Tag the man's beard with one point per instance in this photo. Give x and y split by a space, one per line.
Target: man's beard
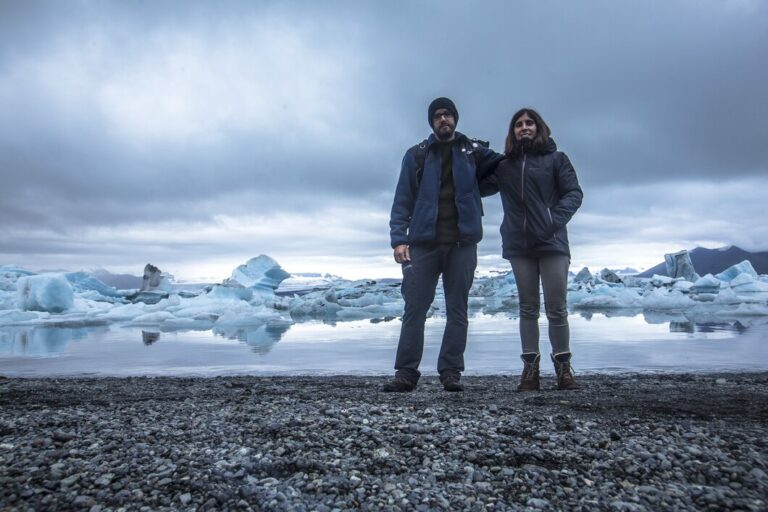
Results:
445 135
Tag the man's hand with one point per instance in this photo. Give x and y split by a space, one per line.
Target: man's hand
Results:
402 254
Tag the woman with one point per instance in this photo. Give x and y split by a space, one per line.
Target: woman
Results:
540 194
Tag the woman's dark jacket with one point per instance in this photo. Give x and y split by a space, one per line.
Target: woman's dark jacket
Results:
540 193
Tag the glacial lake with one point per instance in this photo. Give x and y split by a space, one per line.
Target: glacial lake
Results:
608 342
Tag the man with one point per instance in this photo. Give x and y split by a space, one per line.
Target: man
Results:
435 225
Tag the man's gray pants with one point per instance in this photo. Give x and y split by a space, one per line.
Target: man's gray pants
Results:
420 276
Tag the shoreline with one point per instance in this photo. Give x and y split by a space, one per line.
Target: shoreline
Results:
546 372
624 442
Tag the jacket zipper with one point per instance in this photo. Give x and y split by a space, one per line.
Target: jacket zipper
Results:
552 222
522 198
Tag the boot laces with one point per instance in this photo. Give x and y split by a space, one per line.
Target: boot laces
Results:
566 370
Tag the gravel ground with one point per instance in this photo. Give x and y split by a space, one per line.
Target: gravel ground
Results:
631 442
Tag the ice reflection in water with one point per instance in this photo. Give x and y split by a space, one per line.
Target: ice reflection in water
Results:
616 340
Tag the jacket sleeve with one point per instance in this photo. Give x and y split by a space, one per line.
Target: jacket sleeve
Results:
405 198
569 190
489 185
486 162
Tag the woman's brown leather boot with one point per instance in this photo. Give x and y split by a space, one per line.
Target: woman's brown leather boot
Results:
529 380
562 364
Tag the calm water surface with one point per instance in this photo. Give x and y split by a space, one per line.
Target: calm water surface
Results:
639 343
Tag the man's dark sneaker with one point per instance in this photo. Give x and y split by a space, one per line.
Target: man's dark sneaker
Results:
399 385
452 383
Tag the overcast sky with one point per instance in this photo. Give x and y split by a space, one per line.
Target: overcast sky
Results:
195 135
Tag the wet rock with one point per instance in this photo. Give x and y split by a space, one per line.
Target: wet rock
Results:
621 443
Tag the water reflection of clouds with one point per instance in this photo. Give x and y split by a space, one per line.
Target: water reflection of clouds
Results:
602 339
41 341
261 338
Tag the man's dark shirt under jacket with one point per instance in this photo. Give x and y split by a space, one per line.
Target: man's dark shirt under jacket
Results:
447 229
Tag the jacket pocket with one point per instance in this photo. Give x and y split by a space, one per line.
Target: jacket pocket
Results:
552 224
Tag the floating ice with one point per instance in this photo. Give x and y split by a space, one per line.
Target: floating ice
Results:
605 297
83 282
746 310
745 283
609 276
247 301
502 286
231 292
261 273
45 292
10 274
658 281
683 286
727 296
662 298
584 276
679 264
155 280
707 284
745 267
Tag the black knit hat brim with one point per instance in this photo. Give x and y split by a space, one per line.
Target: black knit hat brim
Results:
439 103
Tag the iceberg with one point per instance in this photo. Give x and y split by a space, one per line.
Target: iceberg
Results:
706 284
605 297
609 276
261 273
231 293
683 286
679 264
746 310
502 285
745 283
727 296
83 282
745 267
154 280
249 298
51 293
662 298
659 281
584 276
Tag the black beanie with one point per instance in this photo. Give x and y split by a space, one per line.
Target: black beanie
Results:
439 103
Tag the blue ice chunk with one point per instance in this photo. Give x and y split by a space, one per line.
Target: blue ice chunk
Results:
745 267
44 292
83 281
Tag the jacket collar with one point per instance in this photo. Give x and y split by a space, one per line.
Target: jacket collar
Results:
458 137
550 147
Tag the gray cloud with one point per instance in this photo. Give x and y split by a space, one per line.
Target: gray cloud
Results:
117 115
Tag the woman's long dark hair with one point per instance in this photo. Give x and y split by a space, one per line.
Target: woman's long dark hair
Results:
513 148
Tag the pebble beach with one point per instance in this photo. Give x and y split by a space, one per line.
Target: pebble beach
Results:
622 443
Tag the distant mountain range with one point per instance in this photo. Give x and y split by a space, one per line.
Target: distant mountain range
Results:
714 261
119 281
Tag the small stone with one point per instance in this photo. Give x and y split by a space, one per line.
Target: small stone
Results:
62 436
70 480
537 503
84 501
185 498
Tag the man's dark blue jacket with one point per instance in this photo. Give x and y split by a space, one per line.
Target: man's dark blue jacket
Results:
414 211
